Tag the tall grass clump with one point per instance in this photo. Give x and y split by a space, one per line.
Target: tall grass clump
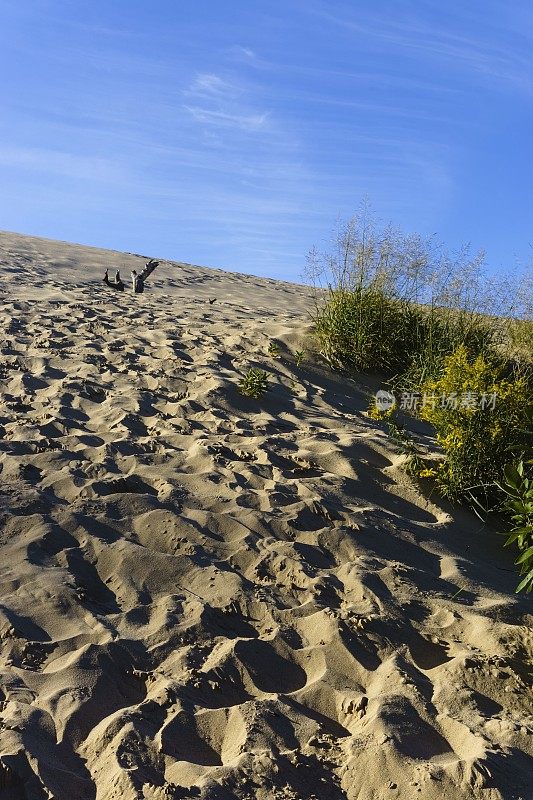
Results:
400 304
364 329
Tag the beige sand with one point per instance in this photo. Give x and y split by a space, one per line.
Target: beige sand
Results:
204 595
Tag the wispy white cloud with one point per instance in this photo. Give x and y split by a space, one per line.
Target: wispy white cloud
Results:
485 55
224 104
207 83
246 54
245 122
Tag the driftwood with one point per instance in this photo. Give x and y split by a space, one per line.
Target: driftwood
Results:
139 279
117 284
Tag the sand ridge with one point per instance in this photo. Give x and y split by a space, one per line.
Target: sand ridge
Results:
206 595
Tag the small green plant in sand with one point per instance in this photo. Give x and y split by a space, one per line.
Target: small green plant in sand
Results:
255 383
414 464
518 490
273 350
299 357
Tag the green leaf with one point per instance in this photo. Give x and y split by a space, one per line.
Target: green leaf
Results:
525 529
527 582
512 475
525 556
512 538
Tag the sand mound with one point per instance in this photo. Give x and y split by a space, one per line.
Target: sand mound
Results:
204 595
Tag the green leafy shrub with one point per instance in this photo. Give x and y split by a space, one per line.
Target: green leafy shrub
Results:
518 490
481 420
254 383
273 350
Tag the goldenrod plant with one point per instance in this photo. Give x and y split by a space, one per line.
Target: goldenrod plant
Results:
377 413
481 411
480 417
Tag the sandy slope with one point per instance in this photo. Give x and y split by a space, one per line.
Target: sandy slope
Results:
203 595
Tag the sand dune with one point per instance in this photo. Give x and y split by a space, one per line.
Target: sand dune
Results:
205 595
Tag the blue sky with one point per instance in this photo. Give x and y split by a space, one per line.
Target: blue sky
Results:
236 133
